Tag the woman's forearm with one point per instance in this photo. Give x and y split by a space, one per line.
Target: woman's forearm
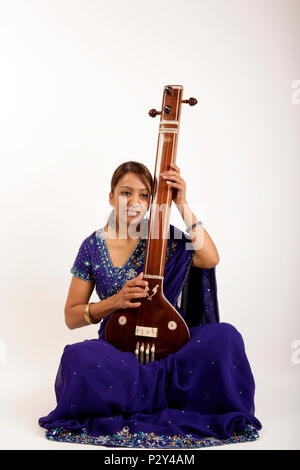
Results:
206 253
74 318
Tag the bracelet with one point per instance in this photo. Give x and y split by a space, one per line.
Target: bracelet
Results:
88 316
193 226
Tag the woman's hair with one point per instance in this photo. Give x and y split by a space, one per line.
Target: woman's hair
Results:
129 167
132 167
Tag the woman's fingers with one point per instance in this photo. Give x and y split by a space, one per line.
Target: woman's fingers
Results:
135 283
135 295
129 304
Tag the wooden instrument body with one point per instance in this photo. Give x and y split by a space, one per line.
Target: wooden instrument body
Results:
155 314
153 326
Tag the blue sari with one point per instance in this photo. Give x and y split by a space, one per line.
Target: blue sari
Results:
200 396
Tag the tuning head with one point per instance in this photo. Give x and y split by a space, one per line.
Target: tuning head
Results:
170 102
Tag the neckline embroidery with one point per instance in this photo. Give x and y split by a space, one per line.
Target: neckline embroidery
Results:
100 236
109 257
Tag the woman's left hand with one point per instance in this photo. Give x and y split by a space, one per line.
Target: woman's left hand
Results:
177 183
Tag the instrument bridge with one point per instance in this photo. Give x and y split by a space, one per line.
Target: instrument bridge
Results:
146 331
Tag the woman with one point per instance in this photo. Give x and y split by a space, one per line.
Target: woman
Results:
203 394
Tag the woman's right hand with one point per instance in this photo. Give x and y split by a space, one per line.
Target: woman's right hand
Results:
131 290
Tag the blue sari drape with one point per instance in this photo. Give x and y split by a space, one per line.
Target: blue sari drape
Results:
200 396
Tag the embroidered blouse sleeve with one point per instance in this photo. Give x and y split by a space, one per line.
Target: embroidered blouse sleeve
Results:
82 266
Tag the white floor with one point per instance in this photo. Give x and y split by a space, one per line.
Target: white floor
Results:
27 394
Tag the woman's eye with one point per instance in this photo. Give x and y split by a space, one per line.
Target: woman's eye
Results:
126 192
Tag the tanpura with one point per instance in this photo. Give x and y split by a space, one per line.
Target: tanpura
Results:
155 329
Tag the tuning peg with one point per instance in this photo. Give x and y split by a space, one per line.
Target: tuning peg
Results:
153 113
190 101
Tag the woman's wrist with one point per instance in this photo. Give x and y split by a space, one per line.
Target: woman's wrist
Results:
193 226
101 309
187 215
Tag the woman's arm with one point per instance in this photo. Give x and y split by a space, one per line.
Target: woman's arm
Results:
79 295
206 253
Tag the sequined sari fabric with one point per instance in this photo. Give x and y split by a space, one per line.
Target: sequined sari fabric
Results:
200 396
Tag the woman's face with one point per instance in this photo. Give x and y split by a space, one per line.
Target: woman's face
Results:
131 200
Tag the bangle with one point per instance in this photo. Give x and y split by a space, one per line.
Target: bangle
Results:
193 226
88 316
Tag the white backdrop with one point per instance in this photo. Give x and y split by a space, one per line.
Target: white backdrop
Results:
77 81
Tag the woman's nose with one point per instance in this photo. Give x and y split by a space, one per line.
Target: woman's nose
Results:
135 200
